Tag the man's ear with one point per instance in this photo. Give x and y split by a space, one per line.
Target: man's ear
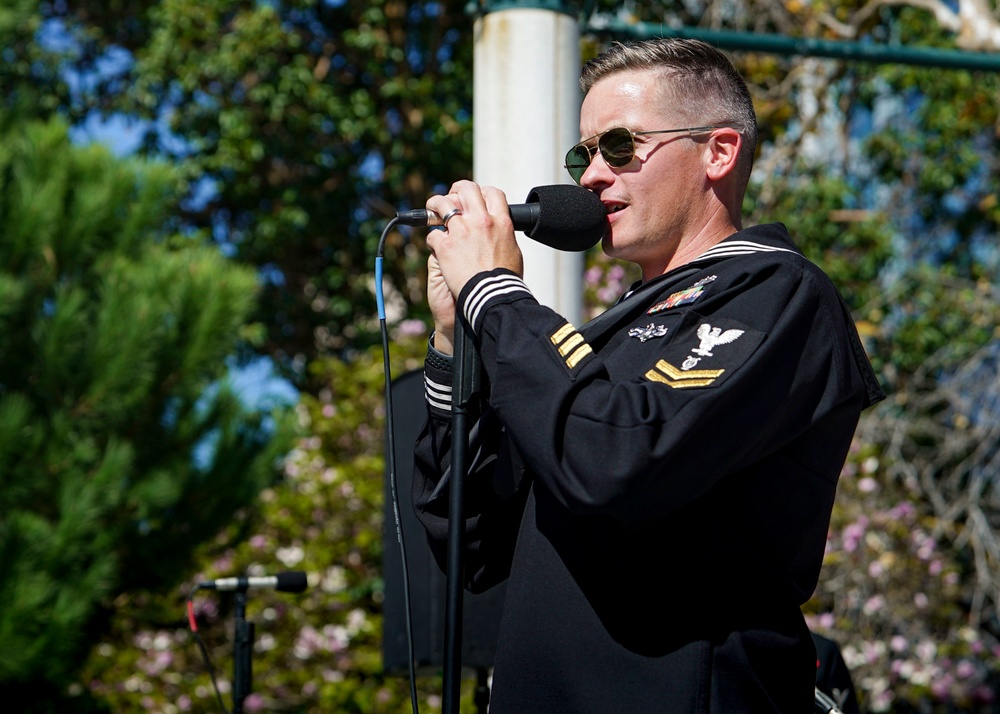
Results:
723 149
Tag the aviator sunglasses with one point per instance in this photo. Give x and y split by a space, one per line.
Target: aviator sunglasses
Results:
617 147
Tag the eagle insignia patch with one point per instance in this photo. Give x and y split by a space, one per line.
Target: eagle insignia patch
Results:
712 336
717 348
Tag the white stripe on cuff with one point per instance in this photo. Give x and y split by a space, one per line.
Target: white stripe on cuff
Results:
437 395
489 288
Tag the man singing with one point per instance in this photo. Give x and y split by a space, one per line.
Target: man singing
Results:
655 485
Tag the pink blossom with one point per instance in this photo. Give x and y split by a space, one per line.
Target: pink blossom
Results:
882 700
873 605
205 608
853 533
926 651
867 485
411 328
607 294
965 669
940 687
926 546
902 511
983 693
254 702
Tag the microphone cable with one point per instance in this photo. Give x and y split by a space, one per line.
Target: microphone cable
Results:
391 460
204 649
293 582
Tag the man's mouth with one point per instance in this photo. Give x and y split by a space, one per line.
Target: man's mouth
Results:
614 207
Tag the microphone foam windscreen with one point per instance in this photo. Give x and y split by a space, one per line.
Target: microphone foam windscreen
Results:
570 218
294 581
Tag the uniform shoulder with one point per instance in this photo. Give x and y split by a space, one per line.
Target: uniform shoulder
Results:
765 244
764 255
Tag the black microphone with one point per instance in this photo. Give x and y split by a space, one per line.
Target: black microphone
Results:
287 582
561 216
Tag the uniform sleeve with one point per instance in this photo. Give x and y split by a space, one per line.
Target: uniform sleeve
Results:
494 495
646 427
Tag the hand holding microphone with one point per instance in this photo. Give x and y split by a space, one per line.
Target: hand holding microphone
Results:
480 237
561 216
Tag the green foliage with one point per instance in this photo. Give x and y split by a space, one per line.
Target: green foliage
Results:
318 651
930 312
121 448
30 85
818 208
939 155
304 126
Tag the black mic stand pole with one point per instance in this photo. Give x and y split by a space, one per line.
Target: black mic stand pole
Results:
242 648
465 384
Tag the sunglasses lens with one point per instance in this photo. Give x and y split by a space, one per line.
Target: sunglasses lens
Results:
577 161
617 147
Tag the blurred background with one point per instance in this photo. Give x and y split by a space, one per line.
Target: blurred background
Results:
191 379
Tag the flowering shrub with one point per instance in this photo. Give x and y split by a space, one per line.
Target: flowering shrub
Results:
891 594
604 281
315 651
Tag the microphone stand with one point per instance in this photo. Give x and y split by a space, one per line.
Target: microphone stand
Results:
242 648
465 384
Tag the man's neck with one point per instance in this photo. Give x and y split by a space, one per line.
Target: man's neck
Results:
692 246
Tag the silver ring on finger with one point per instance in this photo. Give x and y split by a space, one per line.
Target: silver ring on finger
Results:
449 215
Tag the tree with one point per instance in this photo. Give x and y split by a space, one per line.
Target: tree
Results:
303 125
121 447
29 74
321 650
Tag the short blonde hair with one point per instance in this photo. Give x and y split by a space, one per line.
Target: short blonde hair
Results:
699 84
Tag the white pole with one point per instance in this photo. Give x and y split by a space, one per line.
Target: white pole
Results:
526 104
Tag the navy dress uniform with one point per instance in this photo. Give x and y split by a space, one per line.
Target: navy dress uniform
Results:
656 485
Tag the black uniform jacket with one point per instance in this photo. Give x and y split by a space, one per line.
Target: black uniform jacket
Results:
655 485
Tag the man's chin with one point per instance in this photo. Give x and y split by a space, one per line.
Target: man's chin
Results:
609 246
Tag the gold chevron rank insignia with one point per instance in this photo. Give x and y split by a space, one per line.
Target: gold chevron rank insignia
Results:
570 345
704 352
667 374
